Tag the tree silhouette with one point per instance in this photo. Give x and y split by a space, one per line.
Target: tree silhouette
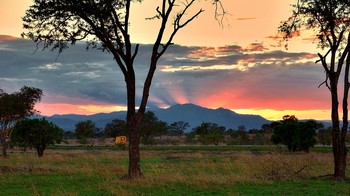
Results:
37 133
85 129
115 128
330 20
14 107
56 24
296 135
151 126
178 128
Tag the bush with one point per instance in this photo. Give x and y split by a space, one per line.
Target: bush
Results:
297 136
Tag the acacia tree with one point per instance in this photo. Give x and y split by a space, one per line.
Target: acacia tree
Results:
85 129
330 20
14 107
178 128
55 24
115 128
151 126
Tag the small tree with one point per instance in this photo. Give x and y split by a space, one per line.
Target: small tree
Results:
210 133
151 126
296 135
115 128
37 133
14 107
85 129
178 128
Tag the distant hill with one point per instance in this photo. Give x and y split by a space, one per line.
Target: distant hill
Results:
193 114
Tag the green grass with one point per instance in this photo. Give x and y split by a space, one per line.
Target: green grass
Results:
193 148
182 171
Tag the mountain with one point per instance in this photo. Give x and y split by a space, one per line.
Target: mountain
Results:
193 114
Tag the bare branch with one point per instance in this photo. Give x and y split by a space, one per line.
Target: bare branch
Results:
323 61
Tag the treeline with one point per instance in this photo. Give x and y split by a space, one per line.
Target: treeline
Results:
296 135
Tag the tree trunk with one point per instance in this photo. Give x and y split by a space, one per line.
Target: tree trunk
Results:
4 148
40 150
133 125
134 153
339 149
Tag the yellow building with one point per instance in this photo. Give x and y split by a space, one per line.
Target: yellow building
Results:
120 140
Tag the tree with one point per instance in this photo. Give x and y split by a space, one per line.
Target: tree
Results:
296 135
210 133
56 24
14 107
115 128
37 133
330 20
151 126
85 129
307 132
178 128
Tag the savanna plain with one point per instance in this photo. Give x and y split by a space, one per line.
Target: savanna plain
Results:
172 170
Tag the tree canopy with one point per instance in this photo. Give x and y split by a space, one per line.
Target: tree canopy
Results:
15 106
178 128
115 128
297 136
85 129
37 133
210 133
151 126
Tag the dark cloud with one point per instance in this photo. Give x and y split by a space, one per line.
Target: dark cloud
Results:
255 76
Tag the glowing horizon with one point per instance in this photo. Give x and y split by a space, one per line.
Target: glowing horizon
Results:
269 114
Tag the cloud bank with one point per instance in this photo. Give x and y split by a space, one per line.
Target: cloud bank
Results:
232 76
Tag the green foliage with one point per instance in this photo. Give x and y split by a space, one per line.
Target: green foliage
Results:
115 128
210 133
296 135
17 105
36 133
14 107
151 126
178 128
329 19
84 130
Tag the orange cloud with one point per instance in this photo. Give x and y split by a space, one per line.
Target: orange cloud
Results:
49 109
255 47
8 38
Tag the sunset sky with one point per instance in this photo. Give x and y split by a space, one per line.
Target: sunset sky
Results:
241 66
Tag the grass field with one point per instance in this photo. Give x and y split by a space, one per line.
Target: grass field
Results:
171 171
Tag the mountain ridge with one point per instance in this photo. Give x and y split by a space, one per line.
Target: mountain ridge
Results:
191 113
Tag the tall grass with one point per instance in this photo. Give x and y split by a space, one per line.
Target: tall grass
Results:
99 172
